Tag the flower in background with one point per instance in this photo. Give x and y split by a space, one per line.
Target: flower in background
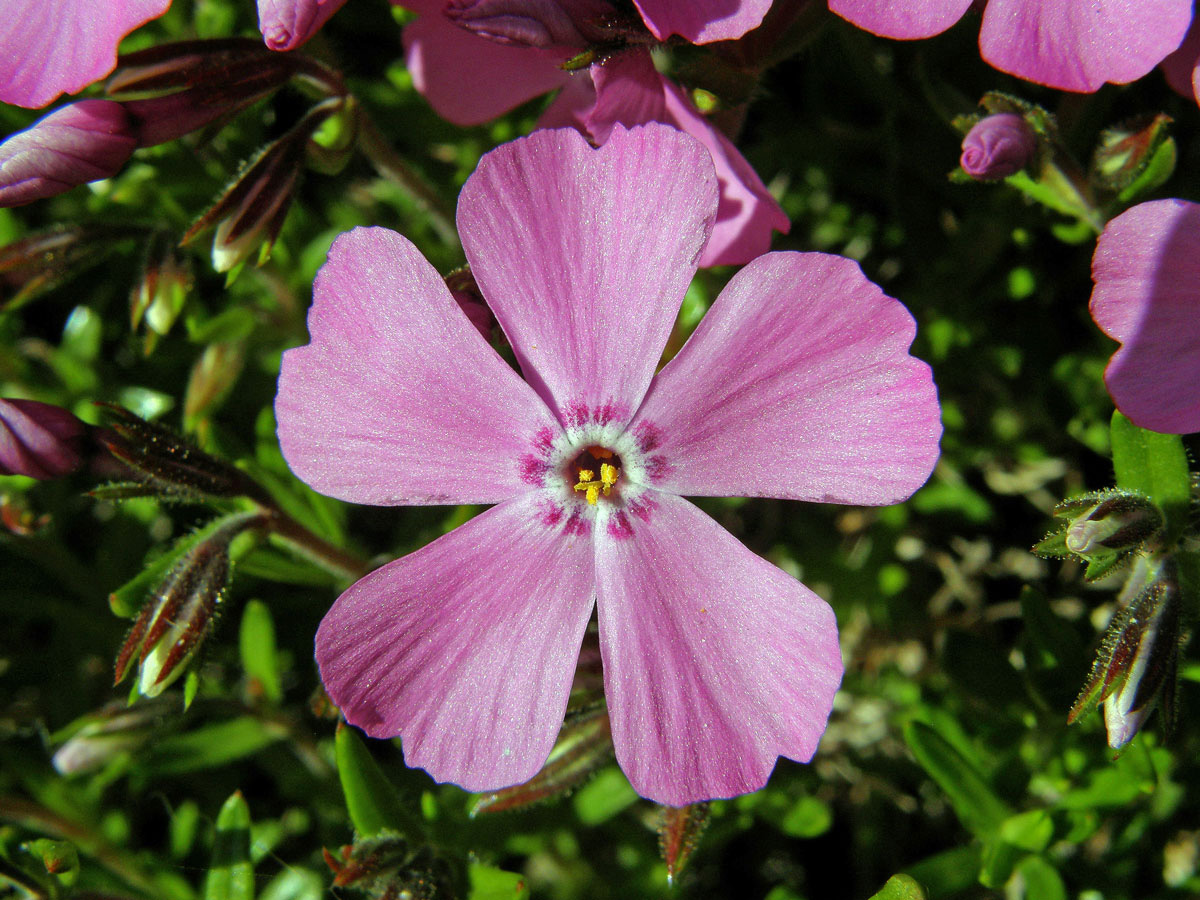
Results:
286 24
473 64
1065 44
998 146
1147 296
52 47
797 384
81 142
39 440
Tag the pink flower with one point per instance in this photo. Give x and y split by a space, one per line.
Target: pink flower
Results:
469 79
998 146
1182 67
1066 44
51 47
1147 296
82 142
38 439
797 384
286 24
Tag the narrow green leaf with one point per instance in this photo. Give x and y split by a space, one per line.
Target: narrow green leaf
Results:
977 805
1042 881
1030 830
295 884
901 887
488 883
1155 464
373 802
256 641
231 876
213 745
603 797
948 873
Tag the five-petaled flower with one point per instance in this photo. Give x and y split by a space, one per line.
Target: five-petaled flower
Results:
797 384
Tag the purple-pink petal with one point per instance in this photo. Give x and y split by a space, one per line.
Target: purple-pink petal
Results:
906 20
286 24
51 47
38 439
81 142
1078 46
397 399
567 243
1147 296
702 21
715 661
1182 66
466 648
797 383
468 79
630 91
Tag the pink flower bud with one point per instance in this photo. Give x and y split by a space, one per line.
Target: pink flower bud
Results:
38 440
523 23
998 146
82 142
286 24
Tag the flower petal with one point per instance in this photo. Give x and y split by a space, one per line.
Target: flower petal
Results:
715 661
466 648
1182 65
1080 46
630 91
468 79
906 21
584 255
702 21
286 24
50 47
1147 296
798 384
398 399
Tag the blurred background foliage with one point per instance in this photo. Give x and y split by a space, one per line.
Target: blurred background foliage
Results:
948 756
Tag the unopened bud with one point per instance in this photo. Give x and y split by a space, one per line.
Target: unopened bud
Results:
102 736
40 261
1138 155
1120 521
998 146
387 865
584 745
211 379
522 23
39 440
159 295
198 82
179 614
86 141
286 24
1138 655
166 465
679 831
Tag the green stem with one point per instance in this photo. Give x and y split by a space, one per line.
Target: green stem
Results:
328 556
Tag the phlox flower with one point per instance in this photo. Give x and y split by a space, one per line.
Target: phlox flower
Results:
797 384
38 439
52 47
286 24
469 79
1147 296
1067 44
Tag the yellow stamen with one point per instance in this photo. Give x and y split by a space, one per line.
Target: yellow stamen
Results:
591 487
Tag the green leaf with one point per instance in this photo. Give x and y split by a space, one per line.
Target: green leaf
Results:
901 887
373 802
488 883
603 797
1030 830
211 746
948 873
256 640
1155 464
808 818
976 804
1042 881
60 858
231 876
295 884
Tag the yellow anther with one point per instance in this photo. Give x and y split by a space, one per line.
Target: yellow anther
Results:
591 487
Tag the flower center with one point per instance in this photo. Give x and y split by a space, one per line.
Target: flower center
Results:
587 465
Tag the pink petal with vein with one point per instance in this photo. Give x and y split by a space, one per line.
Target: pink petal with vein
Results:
702 21
51 47
286 24
1182 66
1147 296
715 661
798 384
906 20
1078 46
465 649
398 399
584 255
630 91
468 79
